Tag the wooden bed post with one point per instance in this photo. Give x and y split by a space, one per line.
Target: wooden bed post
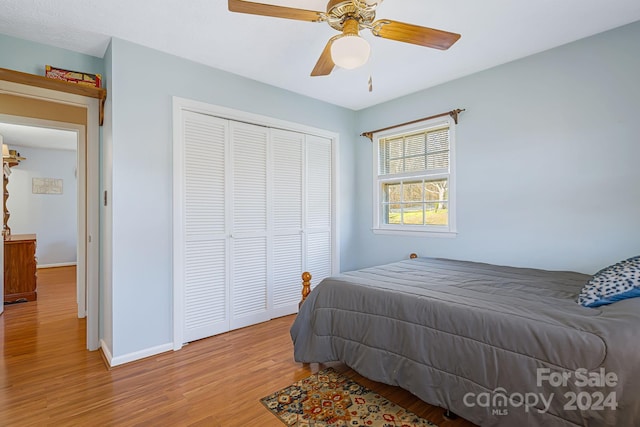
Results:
306 282
306 286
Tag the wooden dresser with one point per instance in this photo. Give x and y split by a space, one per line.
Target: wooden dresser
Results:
20 267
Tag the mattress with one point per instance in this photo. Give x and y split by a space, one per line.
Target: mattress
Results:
497 345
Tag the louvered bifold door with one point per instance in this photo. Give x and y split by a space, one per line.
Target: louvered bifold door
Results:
287 150
205 235
249 144
318 206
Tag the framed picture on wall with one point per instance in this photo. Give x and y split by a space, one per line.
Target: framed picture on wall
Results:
46 186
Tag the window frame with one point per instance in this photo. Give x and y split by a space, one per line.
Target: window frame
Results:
379 227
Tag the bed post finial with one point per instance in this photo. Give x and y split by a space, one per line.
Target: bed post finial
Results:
306 286
413 256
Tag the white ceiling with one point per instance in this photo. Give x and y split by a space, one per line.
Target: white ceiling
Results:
16 136
283 52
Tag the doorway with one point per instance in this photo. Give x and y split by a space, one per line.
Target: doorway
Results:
23 104
55 215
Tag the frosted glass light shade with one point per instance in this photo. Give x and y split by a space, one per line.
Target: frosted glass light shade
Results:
350 51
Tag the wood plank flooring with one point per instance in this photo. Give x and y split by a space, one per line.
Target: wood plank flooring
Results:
48 378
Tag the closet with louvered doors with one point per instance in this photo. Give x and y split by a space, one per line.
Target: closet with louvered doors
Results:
254 211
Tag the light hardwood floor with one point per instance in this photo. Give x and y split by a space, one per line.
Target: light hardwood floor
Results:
47 378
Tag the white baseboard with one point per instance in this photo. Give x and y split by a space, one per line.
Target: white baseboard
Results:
137 355
59 264
106 352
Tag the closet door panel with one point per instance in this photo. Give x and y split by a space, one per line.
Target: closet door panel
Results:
205 295
249 282
249 148
287 154
318 183
249 154
287 150
206 250
318 209
287 269
318 254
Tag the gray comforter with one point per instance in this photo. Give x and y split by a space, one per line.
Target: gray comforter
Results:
497 345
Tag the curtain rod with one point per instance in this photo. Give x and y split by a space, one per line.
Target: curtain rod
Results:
452 113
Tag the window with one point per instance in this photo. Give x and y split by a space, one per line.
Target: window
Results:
414 179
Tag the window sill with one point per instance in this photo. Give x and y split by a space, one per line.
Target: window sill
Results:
416 233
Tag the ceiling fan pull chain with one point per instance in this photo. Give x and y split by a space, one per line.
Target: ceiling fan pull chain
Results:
370 67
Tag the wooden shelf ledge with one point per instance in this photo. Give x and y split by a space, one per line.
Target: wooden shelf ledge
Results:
59 85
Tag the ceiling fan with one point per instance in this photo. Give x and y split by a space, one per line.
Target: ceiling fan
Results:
349 50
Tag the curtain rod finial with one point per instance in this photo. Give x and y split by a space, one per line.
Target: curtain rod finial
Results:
454 114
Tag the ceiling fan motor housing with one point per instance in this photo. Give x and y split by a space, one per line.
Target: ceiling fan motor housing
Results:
340 11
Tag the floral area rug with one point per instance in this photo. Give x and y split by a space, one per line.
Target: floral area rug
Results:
329 399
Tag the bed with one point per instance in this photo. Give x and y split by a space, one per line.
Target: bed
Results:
499 346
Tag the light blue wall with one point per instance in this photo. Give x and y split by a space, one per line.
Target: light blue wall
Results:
29 57
548 153
142 83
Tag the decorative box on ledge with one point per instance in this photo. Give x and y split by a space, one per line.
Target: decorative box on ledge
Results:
81 78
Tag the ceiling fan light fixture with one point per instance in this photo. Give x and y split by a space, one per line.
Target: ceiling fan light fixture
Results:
350 51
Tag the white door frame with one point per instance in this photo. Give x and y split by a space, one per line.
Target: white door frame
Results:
181 105
81 150
88 194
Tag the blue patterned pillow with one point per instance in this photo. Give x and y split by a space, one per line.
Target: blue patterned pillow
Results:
614 283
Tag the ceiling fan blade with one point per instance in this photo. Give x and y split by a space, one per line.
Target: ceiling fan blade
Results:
325 64
252 8
415 34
